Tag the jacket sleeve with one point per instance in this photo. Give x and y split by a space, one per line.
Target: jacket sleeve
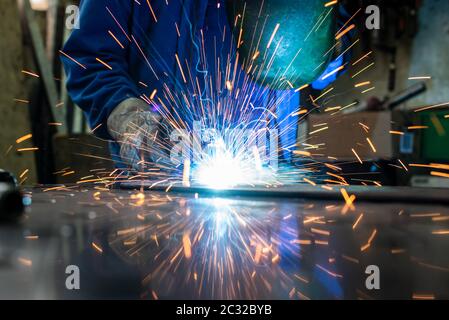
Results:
95 60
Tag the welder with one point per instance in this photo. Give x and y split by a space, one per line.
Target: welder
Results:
125 50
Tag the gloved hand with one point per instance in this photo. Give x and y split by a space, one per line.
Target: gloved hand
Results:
136 128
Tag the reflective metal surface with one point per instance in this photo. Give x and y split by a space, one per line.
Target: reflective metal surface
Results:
157 245
293 36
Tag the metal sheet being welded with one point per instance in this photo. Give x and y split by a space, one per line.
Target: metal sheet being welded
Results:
154 244
362 193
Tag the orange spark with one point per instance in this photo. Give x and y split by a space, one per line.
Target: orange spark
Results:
116 40
22 101
24 138
25 262
302 242
30 73
180 68
359 60
342 33
258 254
255 55
139 198
368 90
331 73
332 274
363 70
97 247
354 226
357 156
373 234
309 182
104 63
322 95
371 145
417 127
432 165
441 232
319 231
435 106
301 88
361 84
349 200
417 296
318 130
187 245
302 153
152 11
370 240
330 3
55 188
403 165
69 57
273 35
439 174
24 173
27 149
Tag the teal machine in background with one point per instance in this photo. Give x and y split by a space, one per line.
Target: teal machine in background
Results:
292 39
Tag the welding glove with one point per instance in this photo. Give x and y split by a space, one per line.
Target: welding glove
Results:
136 127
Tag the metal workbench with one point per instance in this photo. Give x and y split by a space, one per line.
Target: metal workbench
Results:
189 244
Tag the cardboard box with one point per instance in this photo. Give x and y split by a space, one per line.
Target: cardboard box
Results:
336 136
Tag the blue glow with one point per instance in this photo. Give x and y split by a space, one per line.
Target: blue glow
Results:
27 201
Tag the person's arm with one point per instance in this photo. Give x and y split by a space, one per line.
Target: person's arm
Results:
97 88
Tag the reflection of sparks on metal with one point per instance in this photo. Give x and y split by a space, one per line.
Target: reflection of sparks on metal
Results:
224 249
138 198
187 245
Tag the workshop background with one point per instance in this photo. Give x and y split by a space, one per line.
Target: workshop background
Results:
45 139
